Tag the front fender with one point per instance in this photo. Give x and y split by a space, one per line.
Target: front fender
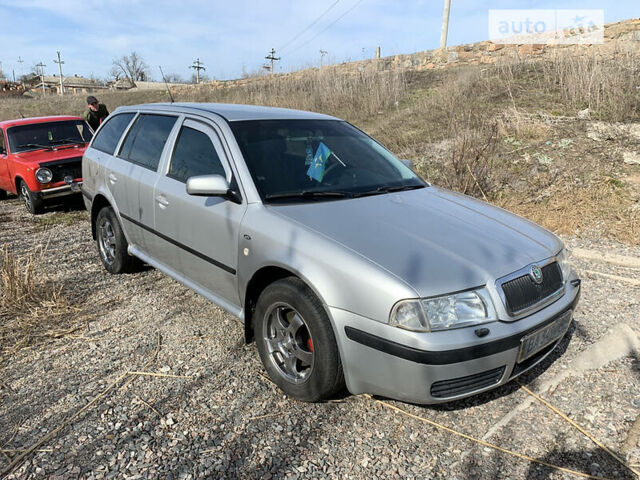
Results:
340 277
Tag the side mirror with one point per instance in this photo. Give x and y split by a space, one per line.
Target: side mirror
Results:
407 163
208 186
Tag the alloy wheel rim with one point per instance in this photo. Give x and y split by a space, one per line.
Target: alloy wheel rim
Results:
107 242
289 343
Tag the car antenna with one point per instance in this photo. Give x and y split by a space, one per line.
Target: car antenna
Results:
165 82
21 115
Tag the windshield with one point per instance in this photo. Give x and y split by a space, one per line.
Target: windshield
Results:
310 160
36 136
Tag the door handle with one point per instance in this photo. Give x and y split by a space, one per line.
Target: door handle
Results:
113 178
162 201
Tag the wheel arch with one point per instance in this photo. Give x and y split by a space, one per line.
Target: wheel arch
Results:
260 280
16 182
97 204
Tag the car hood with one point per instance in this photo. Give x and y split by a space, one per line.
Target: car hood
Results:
39 156
435 240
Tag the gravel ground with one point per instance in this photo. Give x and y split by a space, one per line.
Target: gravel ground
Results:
220 416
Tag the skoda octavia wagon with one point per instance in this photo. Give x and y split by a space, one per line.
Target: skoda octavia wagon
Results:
346 267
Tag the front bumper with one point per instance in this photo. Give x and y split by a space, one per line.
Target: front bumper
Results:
426 368
61 191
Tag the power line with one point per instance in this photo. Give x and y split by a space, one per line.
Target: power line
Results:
328 26
295 37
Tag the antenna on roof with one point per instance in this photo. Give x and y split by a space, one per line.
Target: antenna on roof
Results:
21 115
165 82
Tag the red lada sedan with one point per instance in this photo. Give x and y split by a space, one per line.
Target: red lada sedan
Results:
41 158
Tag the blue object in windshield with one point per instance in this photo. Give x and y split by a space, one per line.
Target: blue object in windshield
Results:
316 169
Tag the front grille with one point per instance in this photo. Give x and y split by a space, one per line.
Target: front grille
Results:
61 168
470 383
523 292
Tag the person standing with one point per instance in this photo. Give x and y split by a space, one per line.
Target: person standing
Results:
95 113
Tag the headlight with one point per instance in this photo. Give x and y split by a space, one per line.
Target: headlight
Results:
563 261
44 175
445 312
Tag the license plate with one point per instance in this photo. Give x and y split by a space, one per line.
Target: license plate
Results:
536 341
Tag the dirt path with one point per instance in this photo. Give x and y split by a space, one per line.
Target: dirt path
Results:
213 413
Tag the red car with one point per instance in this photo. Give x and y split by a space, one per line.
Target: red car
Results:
41 158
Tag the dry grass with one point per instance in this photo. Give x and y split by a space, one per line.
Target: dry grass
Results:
607 86
603 206
33 308
352 96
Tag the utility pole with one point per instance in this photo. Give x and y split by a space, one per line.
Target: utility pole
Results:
272 58
197 66
60 62
445 24
21 61
322 54
42 65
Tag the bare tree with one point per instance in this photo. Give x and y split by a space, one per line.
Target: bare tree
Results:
203 78
174 78
115 73
132 66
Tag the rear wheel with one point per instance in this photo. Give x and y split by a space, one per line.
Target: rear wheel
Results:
296 342
112 244
32 200
3 195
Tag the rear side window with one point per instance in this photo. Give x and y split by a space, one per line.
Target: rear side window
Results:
108 137
146 139
3 149
194 154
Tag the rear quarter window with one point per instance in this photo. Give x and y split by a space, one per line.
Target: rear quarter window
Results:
108 137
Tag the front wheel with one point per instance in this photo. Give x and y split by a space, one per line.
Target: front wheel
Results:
32 200
112 244
3 195
296 342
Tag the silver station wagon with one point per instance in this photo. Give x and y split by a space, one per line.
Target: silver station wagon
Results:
346 267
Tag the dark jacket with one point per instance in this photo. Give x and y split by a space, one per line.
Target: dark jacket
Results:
94 119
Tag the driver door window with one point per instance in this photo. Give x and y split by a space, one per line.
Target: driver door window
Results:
194 155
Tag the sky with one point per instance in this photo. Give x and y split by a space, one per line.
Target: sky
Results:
233 37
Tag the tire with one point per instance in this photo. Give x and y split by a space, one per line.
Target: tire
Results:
32 200
112 244
3 195
296 342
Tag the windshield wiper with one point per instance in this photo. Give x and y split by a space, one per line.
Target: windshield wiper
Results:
388 189
70 141
308 194
35 145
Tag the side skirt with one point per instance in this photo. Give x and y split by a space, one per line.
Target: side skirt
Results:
222 303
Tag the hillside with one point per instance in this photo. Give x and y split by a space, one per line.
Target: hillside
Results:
550 132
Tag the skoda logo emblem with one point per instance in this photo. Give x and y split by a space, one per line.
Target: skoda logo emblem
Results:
536 274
